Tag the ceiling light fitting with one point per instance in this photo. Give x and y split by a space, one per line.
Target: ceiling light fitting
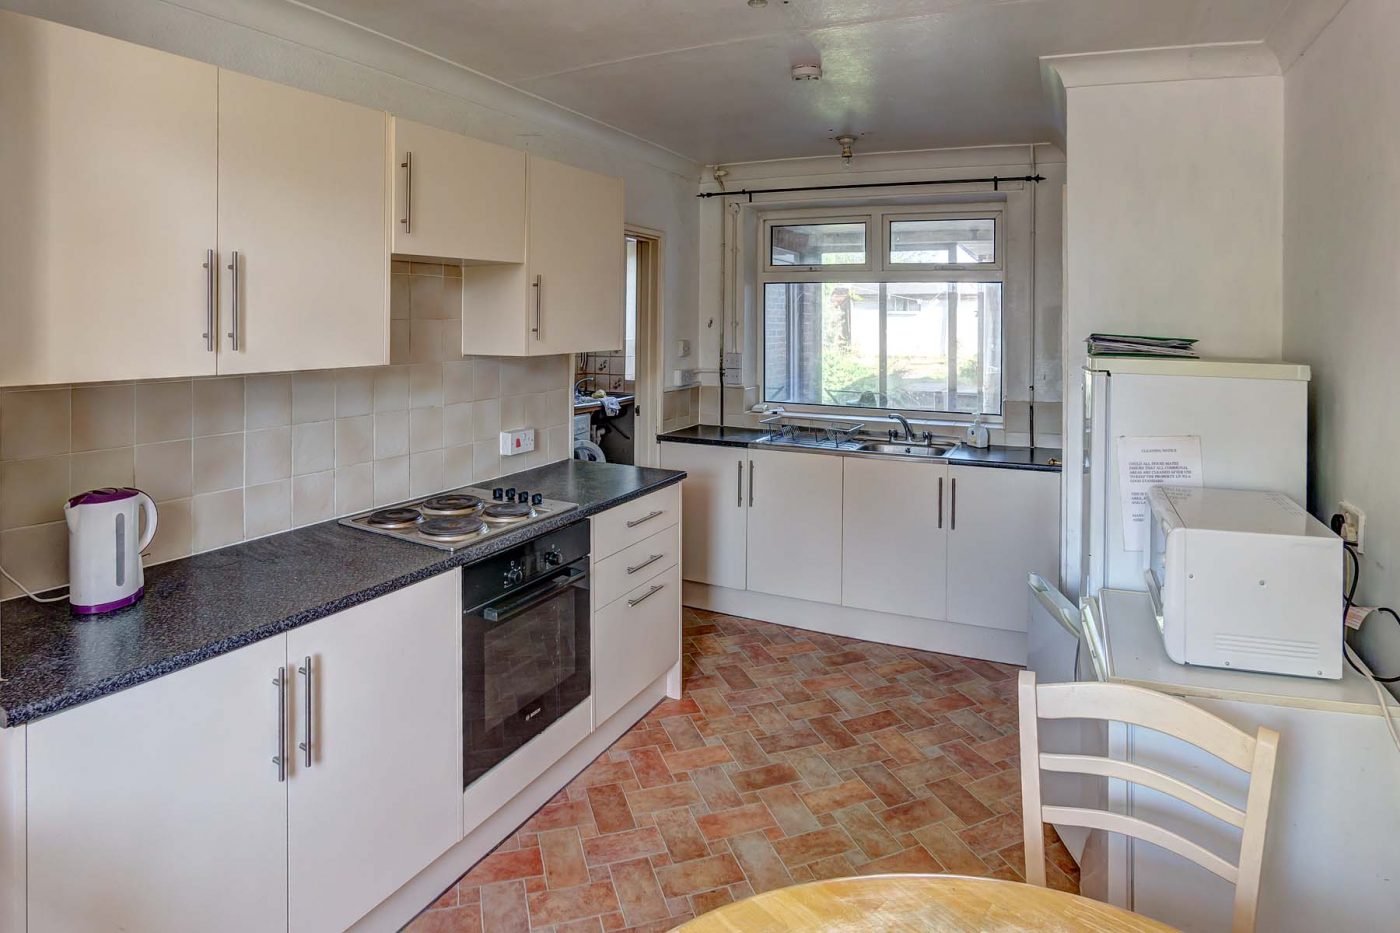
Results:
807 72
758 4
847 144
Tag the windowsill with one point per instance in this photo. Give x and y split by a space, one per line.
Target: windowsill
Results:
992 422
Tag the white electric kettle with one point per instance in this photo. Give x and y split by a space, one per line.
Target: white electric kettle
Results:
104 548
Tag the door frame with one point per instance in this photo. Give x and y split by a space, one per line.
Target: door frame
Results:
651 247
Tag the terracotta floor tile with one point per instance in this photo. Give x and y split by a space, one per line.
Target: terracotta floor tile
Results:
792 756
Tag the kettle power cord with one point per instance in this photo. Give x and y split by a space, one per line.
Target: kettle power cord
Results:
24 589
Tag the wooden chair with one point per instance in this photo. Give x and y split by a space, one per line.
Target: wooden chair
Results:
1253 754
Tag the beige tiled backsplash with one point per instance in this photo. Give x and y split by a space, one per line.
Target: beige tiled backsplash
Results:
233 458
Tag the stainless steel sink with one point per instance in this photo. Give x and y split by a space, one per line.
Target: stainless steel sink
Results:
905 450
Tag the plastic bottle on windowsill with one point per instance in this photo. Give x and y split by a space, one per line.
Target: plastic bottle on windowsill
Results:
977 434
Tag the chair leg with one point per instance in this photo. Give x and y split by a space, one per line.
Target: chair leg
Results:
1030 780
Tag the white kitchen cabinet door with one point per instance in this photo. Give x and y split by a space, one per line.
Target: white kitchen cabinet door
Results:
714 526
894 537
108 176
568 296
1003 525
159 808
304 206
636 639
468 196
383 794
794 524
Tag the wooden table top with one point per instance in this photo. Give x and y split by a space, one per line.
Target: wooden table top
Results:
919 902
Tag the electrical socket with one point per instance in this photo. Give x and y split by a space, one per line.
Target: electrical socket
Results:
1353 525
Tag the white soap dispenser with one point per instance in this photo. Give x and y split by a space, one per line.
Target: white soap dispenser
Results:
977 435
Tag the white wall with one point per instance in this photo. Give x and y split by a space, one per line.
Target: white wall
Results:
1342 282
1033 261
291 44
1174 226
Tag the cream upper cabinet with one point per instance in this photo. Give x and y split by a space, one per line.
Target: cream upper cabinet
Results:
895 537
794 524
568 296
108 178
303 224
456 197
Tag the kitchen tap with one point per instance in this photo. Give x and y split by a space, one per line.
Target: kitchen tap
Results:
908 431
577 394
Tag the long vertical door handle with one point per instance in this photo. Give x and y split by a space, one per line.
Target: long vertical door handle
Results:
739 482
539 312
407 166
940 502
280 759
209 277
305 671
953 516
236 311
750 484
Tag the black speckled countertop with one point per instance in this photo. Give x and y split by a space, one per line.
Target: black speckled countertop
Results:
1007 458
207 605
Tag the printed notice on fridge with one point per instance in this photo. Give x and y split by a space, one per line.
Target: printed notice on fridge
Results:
1144 462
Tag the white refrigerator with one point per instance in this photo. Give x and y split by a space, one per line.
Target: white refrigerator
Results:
1251 420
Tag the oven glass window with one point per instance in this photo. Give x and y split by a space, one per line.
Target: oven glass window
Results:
527 657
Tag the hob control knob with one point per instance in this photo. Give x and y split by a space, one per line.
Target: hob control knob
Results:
498 493
537 499
510 494
522 497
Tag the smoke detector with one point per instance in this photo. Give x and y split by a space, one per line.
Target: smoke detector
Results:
807 72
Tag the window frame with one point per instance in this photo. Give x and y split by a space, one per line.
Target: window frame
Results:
878 270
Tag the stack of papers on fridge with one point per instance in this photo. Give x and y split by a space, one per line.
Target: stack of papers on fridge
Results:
1133 345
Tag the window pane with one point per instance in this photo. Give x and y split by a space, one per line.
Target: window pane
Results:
821 344
937 242
917 327
818 245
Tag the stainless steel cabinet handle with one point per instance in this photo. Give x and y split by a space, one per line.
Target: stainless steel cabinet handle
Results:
539 320
305 671
209 277
647 595
646 563
236 310
940 502
280 759
953 515
407 166
645 518
739 482
750 484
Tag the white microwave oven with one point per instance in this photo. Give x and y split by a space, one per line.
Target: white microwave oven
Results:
1245 580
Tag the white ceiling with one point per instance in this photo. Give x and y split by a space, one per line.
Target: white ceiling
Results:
708 79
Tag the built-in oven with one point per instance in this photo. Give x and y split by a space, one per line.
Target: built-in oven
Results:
525 644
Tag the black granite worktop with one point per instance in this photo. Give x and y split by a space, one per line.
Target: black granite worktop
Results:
207 605
1007 458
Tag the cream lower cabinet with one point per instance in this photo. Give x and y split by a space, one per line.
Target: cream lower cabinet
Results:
794 524
568 296
894 537
1002 525
163 807
456 197
108 177
714 548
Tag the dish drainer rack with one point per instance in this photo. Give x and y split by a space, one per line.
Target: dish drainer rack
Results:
811 432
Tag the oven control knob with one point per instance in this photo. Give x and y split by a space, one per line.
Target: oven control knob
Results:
498 494
515 574
510 494
552 557
537 499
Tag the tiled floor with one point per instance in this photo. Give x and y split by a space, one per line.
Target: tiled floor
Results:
792 756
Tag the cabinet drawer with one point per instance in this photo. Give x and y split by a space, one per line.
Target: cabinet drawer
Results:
632 521
632 566
635 641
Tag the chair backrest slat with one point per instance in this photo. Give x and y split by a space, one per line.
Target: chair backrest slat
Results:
1141 829
1144 777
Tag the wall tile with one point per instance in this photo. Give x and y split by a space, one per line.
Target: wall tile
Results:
313 498
457 425
218 463
398 296
427 268
515 412
268 400
354 488
218 406
425 473
354 393
269 456
452 339
391 480
391 389
313 447
313 397
165 471
425 297
456 382
486 459
36 423
400 349
267 509
486 415
36 555
424 429
33 491
515 376
95 469
174 532
486 378
217 520
104 417
425 385
457 467
390 434
354 440
426 342
164 411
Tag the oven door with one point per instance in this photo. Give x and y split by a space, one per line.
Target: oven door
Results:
526 662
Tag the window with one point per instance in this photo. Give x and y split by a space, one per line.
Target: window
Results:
920 332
